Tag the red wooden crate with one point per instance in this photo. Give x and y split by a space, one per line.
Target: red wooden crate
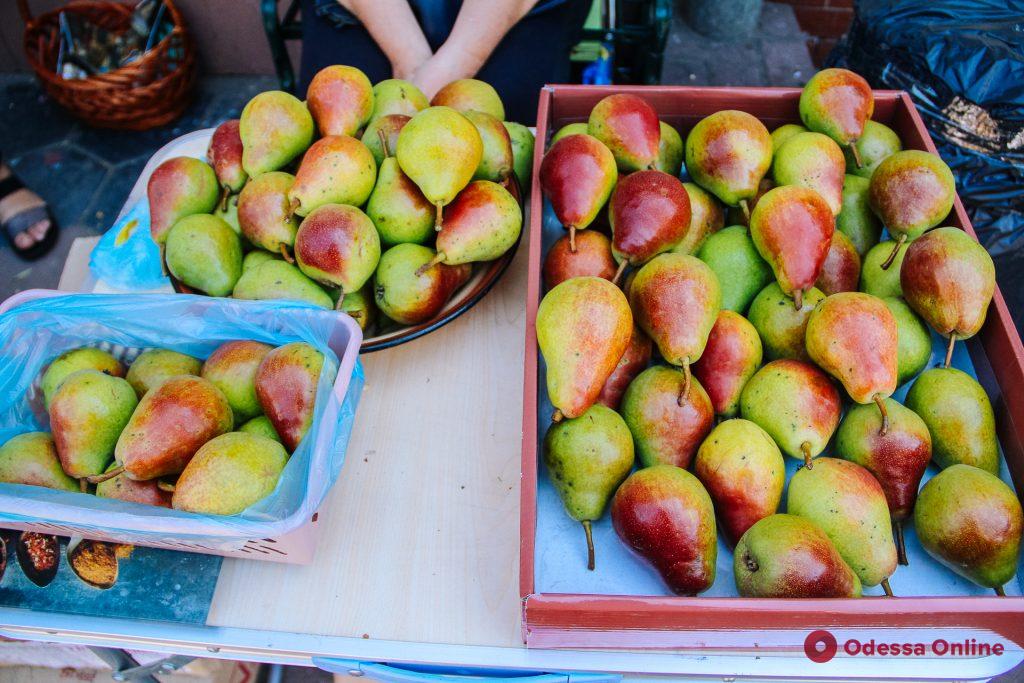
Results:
584 620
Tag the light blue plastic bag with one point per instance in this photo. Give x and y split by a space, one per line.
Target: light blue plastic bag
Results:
33 333
126 257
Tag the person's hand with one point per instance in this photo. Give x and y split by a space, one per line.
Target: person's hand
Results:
445 66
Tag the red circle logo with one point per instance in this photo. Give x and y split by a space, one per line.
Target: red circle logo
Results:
820 646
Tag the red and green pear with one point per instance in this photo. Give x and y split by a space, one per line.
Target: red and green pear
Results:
470 94
732 356
381 136
286 383
393 96
335 170
85 358
783 133
577 176
728 153
735 215
31 459
649 213
179 187
340 98
569 129
225 156
265 215
814 161
706 217
481 224
153 366
781 327
408 296
230 473
497 162
629 126
635 360
838 103
275 127
232 369
593 257
338 245
123 487
841 270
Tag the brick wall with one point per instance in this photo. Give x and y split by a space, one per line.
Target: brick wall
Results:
824 21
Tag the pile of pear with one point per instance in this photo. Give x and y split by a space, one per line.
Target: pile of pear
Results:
170 430
364 198
695 334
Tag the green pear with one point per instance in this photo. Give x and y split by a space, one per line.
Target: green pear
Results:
232 369
204 253
153 366
570 129
959 416
470 94
179 187
395 96
496 162
261 426
280 280
522 151
856 220
228 212
31 459
706 217
783 133
230 473
336 170
481 224
256 257
876 144
381 136
740 269
275 127
87 415
815 161
408 296
781 327
670 151
65 364
914 340
359 305
398 209
879 281
587 458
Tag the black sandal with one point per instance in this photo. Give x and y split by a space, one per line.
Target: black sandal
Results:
23 220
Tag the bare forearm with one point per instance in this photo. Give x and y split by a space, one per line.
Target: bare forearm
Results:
394 28
478 29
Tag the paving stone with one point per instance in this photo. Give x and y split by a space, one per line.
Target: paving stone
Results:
28 118
63 175
111 194
778 21
787 62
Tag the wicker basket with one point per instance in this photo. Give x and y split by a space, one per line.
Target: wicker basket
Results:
146 93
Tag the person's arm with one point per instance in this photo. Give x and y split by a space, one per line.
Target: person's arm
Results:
479 27
394 28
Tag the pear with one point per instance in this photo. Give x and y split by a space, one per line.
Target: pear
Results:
123 487
629 127
792 229
337 245
876 144
232 369
841 270
440 150
398 208
728 153
225 156
481 224
31 459
286 383
664 514
915 343
577 176
911 192
878 281
741 271
341 100
743 471
853 337
665 430
676 299
783 133
179 187
814 161
734 215
649 213
634 360
393 96
336 170
522 151
227 211
587 458
949 280
204 253
785 556
256 257
407 296
959 417
381 136
569 129
279 280
970 521
670 150
706 217
153 366
230 473
856 220
359 305
796 404
275 128
781 328
86 358
593 256
261 426
264 213
897 459
838 103
732 356
496 162
583 328
849 505
470 94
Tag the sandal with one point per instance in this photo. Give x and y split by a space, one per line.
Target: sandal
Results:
25 219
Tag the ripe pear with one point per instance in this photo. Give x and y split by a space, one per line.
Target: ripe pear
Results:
593 256
275 128
179 187
569 129
381 136
264 213
31 459
230 473
706 217
732 355
741 271
649 212
665 430
911 192
877 143
86 358
785 556
440 150
481 224
341 100
841 270
261 426
814 161
781 328
959 416
783 133
583 328
856 220
496 162
634 360
153 366
359 305
915 343
393 96
280 280
286 383
577 176
204 253
664 515
225 156
670 150
256 257
838 103
336 170
587 458
970 521
522 151
232 369
849 505
796 403
123 487
949 280
734 215
397 207
407 296
878 281
728 153
676 299
629 126
227 211
470 94
337 245
743 471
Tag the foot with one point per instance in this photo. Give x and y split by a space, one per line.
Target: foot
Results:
17 202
